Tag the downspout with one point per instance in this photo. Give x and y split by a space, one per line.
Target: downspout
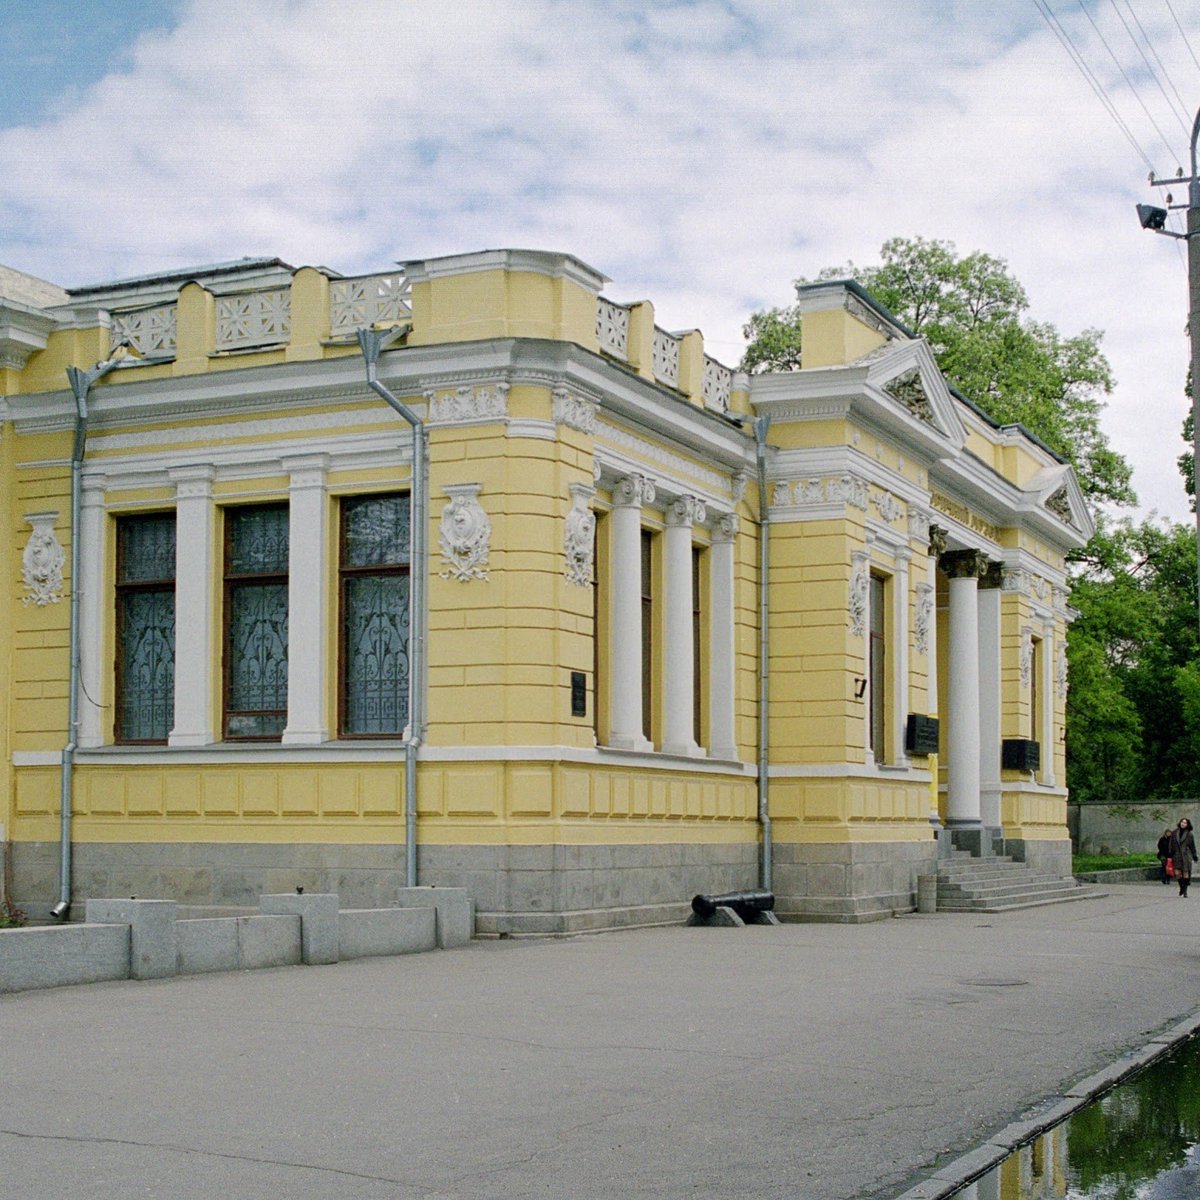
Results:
371 342
761 425
81 385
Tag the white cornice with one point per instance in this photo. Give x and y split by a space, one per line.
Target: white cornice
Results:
539 262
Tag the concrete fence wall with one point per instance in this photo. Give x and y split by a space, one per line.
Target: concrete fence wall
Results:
1125 828
142 939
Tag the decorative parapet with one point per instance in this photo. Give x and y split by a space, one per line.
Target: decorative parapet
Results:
718 381
149 331
368 300
254 319
612 328
666 358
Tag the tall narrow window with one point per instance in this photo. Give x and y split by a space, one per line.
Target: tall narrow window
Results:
647 635
877 670
1035 678
256 621
374 583
697 649
145 668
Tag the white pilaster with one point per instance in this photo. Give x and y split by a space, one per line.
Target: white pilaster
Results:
625 604
900 603
962 766
307 625
194 567
91 610
679 659
1046 687
721 661
989 706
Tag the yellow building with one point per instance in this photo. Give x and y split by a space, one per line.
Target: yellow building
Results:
456 574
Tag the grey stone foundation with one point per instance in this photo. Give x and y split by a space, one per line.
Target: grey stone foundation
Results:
1047 858
849 883
515 889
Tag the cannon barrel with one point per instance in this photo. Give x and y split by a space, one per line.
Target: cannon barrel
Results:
745 904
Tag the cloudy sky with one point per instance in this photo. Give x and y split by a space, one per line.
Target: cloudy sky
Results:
701 153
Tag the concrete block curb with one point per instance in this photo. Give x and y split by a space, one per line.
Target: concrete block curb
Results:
454 917
152 944
318 913
371 932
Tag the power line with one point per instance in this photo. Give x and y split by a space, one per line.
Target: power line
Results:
1057 28
1128 82
1183 35
1182 108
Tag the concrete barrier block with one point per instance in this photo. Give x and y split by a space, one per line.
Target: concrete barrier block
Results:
318 913
57 956
455 918
364 932
152 943
269 941
207 944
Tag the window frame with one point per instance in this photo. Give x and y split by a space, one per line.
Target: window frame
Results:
230 583
344 575
121 589
877 667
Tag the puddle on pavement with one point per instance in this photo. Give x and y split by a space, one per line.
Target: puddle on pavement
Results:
1141 1141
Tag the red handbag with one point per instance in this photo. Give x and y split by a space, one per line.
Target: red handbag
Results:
1170 868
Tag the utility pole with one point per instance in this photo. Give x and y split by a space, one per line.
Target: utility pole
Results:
1155 219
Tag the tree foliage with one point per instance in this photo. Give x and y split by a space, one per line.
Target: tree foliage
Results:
974 314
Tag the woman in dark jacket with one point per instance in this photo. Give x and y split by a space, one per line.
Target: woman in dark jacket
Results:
1183 853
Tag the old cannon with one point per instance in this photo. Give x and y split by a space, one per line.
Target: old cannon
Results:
749 905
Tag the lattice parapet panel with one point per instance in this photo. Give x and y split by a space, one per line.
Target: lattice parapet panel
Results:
666 358
149 331
254 319
718 379
368 300
612 328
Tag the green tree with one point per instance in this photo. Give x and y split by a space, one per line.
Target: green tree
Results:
974 314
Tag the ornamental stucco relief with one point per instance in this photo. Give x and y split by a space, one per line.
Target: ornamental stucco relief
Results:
923 619
466 404
42 561
465 535
580 535
1060 672
859 592
1026 656
575 412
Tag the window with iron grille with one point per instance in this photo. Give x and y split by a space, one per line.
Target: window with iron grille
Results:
145 595
373 575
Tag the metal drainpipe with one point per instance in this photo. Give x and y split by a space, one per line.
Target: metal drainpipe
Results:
761 425
81 385
371 342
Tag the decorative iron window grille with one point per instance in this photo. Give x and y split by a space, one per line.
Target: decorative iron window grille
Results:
375 617
256 622
145 595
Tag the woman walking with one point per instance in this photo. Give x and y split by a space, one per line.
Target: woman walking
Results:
1183 853
1164 852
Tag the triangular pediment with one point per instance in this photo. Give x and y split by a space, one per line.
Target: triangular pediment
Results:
1056 490
907 379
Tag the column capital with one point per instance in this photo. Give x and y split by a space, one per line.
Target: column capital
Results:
937 541
993 575
963 564
685 511
632 491
725 528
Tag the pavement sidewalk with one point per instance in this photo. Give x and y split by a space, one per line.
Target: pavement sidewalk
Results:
812 1062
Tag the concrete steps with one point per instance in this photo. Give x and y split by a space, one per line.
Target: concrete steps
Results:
998 884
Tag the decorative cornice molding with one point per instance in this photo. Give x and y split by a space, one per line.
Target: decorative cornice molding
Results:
574 411
676 464
468 405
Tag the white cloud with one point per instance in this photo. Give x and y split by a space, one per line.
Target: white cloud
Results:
702 154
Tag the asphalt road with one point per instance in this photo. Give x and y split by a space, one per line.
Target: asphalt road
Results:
812 1062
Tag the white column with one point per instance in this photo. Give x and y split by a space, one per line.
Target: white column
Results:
307 625
91 610
194 567
962 766
679 659
625 653
900 603
721 654
989 703
1046 686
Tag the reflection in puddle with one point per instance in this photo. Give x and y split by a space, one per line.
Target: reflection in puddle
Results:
1140 1141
